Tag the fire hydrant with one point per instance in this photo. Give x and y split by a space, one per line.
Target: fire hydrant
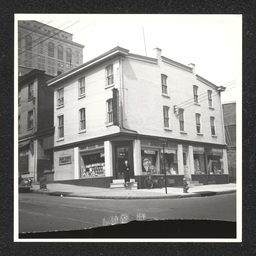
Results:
185 186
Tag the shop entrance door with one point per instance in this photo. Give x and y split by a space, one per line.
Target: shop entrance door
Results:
123 153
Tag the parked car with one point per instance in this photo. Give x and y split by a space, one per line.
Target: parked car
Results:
25 184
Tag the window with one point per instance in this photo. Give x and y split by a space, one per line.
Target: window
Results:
198 123
28 43
19 124
166 116
51 50
81 83
61 126
69 55
195 88
109 75
210 98
164 84
30 120
181 118
19 97
30 91
19 41
82 125
41 48
110 111
60 52
212 122
60 97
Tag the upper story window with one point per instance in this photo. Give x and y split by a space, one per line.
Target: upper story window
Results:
212 122
110 111
164 84
51 50
82 121
30 119
198 123
69 55
166 117
81 84
30 91
28 43
60 126
181 119
109 75
19 97
60 97
19 124
195 90
19 40
60 52
210 98
41 48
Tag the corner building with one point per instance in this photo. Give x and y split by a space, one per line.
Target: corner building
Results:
154 112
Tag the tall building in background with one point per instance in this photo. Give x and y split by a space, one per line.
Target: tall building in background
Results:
43 47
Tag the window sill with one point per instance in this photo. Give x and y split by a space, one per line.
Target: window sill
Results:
214 136
60 139
81 96
183 132
29 129
82 131
61 106
109 124
109 86
166 95
30 99
197 104
168 129
200 134
211 108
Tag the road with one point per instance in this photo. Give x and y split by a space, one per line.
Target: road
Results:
39 212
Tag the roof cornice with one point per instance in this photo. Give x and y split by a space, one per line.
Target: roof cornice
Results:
203 80
117 51
142 58
176 64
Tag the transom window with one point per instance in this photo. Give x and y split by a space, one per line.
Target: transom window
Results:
181 119
30 120
210 98
109 75
30 91
110 111
198 123
61 126
164 84
81 83
82 125
212 122
166 116
195 89
60 97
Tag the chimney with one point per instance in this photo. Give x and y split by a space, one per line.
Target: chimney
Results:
158 52
192 65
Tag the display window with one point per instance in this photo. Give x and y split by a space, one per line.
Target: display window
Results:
199 164
149 161
170 160
215 164
93 165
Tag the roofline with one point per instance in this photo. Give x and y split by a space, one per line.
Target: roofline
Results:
176 64
203 80
103 57
228 102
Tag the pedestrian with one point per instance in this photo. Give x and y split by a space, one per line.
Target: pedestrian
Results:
126 170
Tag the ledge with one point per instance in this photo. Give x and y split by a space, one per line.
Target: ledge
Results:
182 132
81 96
166 95
168 129
212 108
109 86
82 131
214 136
200 134
109 124
197 104
61 139
61 106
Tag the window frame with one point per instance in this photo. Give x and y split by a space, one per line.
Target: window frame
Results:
19 97
181 119
30 91
60 52
109 75
195 93
69 55
60 126
110 111
81 81
166 110
28 43
82 119
164 78
51 49
60 100
213 125
30 123
198 124
19 124
210 101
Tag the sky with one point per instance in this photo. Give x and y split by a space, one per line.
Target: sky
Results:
212 42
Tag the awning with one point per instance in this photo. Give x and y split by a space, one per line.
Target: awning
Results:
24 144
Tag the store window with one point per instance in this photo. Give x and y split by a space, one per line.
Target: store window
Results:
195 90
93 165
199 164
169 158
109 75
215 164
149 161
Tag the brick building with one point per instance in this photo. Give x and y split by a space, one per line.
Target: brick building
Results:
35 124
43 47
149 111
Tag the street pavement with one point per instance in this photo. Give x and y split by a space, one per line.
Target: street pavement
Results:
66 190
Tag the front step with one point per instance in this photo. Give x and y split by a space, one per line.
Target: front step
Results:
193 183
119 183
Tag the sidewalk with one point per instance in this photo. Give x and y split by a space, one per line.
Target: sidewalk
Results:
65 190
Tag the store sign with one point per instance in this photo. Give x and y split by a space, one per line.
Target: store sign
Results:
168 151
65 160
149 152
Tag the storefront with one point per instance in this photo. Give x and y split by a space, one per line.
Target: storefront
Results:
199 160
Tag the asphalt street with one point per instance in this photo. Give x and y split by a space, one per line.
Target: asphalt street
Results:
40 213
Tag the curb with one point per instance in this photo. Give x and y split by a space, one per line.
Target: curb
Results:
188 195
